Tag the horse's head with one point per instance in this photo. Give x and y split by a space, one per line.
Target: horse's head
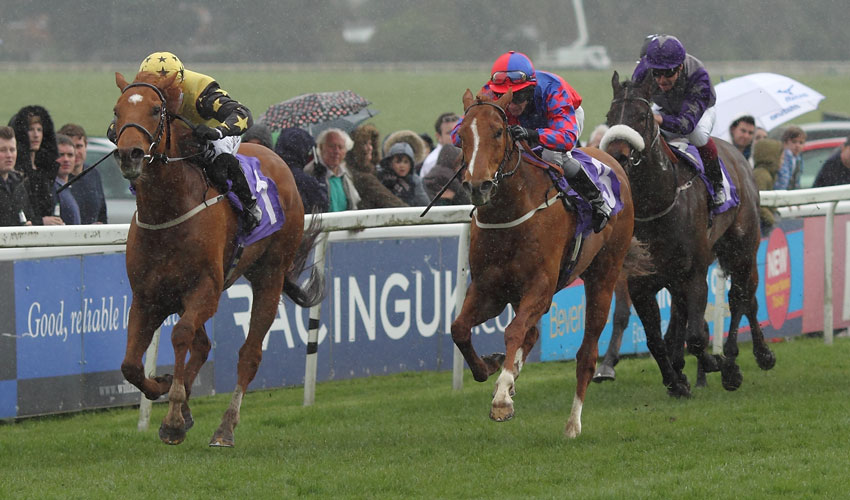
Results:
486 144
632 128
142 114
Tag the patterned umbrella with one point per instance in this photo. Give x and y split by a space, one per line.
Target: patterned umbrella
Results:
316 111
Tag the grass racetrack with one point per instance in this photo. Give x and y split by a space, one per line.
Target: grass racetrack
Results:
783 434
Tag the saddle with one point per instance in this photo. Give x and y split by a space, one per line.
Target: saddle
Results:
685 152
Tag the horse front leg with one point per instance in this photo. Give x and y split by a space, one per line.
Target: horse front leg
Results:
622 312
266 296
643 298
521 332
598 292
198 353
198 308
143 322
477 308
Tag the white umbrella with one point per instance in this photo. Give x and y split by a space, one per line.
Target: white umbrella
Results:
769 98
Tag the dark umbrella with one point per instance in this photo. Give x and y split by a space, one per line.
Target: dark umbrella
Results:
317 111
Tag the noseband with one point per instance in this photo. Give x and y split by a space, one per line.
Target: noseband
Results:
510 146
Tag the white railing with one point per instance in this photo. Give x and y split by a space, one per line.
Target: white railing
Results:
29 242
826 201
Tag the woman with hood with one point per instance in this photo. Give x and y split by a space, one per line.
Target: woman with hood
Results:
396 173
37 155
767 158
361 161
295 146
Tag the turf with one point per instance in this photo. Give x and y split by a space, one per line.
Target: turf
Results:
782 434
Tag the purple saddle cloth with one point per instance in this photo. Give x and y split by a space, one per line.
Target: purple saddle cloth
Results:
691 157
265 190
604 178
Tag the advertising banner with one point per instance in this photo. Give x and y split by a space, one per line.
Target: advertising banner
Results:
779 294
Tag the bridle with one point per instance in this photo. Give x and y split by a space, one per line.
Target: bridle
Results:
163 127
649 124
637 157
510 146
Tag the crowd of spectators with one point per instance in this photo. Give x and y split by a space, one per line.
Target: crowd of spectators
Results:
337 170
36 163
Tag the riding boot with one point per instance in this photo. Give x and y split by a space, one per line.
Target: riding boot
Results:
711 162
715 177
251 214
585 187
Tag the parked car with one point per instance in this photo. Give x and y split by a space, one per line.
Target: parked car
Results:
120 202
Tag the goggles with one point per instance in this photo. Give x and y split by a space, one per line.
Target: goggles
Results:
667 73
516 77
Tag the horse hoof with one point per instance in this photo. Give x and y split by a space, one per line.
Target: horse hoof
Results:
679 390
502 413
572 430
711 363
222 439
604 373
171 435
731 376
765 359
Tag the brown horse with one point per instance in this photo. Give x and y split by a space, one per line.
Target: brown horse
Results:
181 243
519 247
672 217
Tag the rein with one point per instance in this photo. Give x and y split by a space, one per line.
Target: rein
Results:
635 160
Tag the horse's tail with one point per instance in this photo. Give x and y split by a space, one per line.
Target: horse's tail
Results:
312 291
638 260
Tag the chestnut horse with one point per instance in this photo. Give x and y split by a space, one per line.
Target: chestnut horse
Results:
181 243
520 253
672 217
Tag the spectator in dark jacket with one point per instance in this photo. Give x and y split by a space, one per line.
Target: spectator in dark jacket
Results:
396 173
14 200
835 170
37 154
295 146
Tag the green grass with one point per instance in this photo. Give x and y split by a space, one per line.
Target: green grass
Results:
782 434
404 99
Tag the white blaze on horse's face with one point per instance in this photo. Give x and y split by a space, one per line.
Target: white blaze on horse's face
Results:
476 140
135 98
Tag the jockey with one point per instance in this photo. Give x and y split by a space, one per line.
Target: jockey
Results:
684 101
219 119
545 110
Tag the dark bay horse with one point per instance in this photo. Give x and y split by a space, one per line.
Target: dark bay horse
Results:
519 247
178 262
672 217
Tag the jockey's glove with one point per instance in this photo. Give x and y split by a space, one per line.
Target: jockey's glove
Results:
520 133
207 133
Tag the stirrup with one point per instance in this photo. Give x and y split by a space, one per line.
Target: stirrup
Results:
251 216
601 214
719 197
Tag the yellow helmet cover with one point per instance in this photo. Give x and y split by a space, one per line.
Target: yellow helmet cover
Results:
163 63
